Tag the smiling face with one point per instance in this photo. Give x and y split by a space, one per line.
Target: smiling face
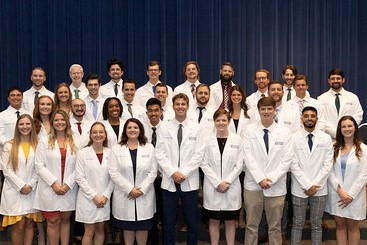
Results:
129 91
191 73
153 73
24 126
300 86
221 123
154 113
93 87
115 73
45 106
161 94
288 77
59 123
202 95
309 119
180 106
78 107
38 78
336 82
15 99
266 113
132 130
348 129
276 92
261 80
236 97
113 109
76 74
98 134
63 94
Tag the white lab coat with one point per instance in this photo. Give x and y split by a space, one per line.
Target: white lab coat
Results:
168 154
274 165
216 94
219 168
14 203
311 168
354 183
349 106
112 140
48 168
83 139
121 171
93 179
242 123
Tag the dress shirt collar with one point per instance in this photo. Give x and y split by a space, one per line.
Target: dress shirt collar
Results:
340 92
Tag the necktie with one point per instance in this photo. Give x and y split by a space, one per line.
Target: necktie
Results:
129 109
200 113
79 127
301 106
162 115
18 113
179 140
289 96
95 109
193 90
277 110
310 143
225 96
153 89
262 95
76 91
266 139
337 102
36 94
116 89
154 136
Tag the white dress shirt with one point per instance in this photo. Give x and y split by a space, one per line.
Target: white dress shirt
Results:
89 108
254 98
145 92
185 88
83 91
28 97
108 90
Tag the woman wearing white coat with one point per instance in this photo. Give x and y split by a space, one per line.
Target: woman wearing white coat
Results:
95 185
20 182
221 157
346 183
133 169
56 190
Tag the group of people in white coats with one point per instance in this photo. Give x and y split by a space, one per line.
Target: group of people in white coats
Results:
49 173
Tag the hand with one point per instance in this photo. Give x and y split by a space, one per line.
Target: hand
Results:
265 183
104 199
134 193
345 199
312 191
26 189
178 177
65 188
58 189
223 187
98 200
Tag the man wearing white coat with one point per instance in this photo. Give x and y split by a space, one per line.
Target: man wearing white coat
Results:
80 125
311 166
174 149
268 148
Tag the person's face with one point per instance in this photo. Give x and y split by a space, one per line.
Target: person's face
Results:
98 134
154 113
276 92
15 99
63 94
226 73
115 72
153 73
202 95
288 77
221 123
59 123
236 97
266 113
113 109
348 129
191 72
24 126
78 108
309 119
93 87
180 107
38 78
161 93
300 86
261 80
76 74
132 130
336 82
45 106
129 91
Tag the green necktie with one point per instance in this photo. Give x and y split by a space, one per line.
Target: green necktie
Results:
337 102
289 97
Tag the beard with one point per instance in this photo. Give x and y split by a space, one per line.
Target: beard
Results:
225 79
305 125
336 86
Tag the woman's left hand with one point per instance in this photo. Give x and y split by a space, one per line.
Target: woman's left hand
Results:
134 193
223 187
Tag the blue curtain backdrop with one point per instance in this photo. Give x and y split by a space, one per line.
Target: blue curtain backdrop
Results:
314 35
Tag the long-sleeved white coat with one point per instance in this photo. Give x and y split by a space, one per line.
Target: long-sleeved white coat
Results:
93 179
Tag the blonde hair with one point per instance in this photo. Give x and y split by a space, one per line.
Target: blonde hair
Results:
69 140
33 140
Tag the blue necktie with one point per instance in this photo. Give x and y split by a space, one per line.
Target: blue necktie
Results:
266 139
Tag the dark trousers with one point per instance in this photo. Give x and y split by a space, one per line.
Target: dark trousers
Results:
190 212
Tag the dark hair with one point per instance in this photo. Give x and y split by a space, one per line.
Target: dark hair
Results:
115 61
40 69
339 139
153 101
128 81
105 107
92 77
202 85
300 77
163 85
13 88
141 138
244 106
90 134
266 101
227 64
309 108
191 62
181 96
220 112
290 67
154 63
336 71
274 82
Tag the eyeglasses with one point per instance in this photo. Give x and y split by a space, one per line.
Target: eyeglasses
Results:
78 106
153 70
